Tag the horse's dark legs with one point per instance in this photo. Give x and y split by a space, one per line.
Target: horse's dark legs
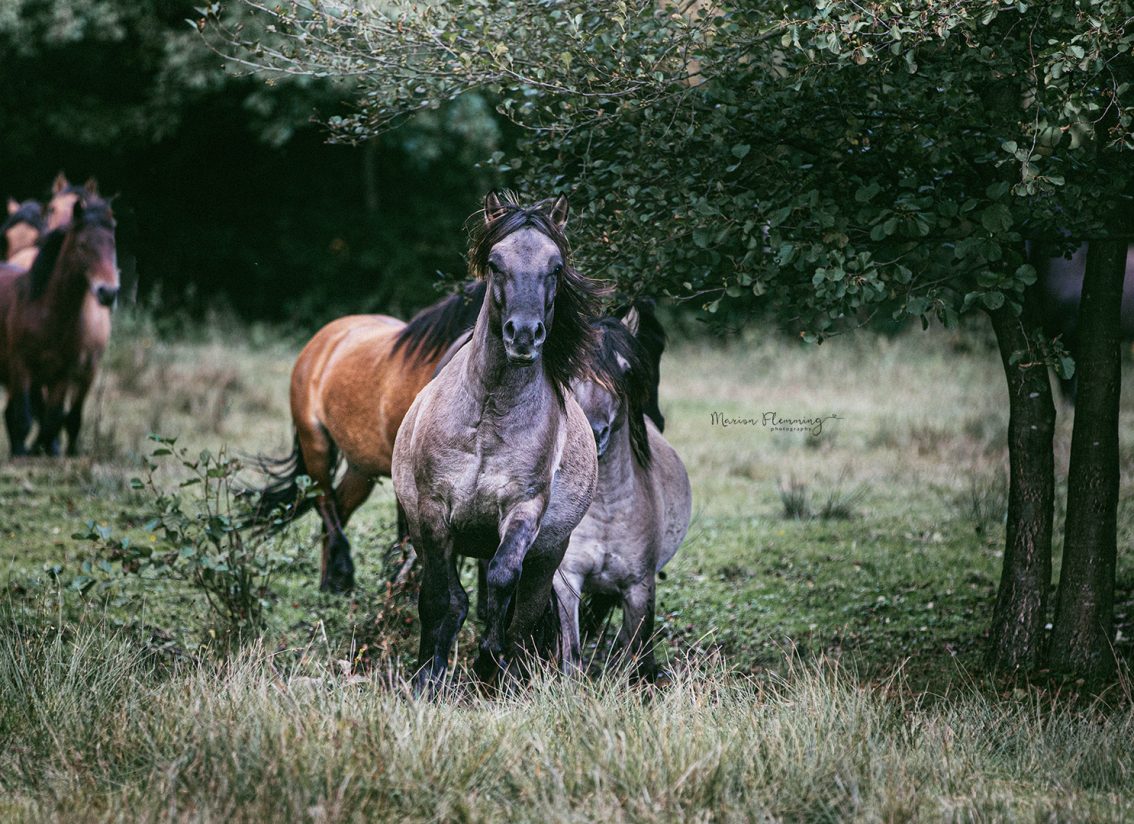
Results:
482 590
351 493
74 419
51 425
442 606
501 580
337 569
18 419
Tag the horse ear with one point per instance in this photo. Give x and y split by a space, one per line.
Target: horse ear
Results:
558 211
13 206
91 187
493 207
59 184
632 320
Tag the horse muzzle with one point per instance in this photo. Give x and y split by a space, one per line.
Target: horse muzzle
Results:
523 340
106 295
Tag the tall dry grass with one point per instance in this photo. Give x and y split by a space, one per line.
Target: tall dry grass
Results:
92 731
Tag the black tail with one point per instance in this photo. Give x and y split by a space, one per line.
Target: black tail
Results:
285 497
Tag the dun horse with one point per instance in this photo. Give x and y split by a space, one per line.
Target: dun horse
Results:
495 458
22 230
350 389
55 325
641 507
1061 286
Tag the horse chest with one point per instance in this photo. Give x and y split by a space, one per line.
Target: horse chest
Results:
611 548
486 479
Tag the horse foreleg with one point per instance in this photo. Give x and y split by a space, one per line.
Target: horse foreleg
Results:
442 606
51 424
568 591
18 417
501 579
637 634
534 615
74 419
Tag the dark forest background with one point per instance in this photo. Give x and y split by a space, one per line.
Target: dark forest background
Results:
228 193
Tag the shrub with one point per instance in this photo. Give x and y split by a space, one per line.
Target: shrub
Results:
197 535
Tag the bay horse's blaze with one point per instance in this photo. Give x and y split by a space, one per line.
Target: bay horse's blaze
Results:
350 389
55 325
495 459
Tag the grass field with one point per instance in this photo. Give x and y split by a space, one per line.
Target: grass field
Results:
824 622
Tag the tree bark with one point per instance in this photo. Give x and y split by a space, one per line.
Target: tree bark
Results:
1017 633
1084 616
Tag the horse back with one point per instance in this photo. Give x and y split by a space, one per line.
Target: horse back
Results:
346 381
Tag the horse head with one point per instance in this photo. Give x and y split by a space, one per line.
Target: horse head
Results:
92 243
538 304
616 390
64 196
23 225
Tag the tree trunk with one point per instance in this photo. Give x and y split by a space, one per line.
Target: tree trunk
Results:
1084 614
1016 637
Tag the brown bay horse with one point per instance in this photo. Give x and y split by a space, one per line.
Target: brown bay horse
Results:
22 230
350 389
495 459
55 326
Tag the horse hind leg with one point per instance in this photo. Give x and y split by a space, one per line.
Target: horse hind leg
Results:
351 493
336 572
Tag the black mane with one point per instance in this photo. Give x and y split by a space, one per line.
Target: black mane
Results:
651 335
570 336
40 273
432 330
632 379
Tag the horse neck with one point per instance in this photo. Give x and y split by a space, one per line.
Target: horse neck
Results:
67 288
488 372
617 468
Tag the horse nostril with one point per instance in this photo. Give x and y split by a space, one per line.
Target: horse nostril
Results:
601 433
106 295
540 332
509 330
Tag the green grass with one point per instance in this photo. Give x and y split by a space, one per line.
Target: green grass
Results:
826 666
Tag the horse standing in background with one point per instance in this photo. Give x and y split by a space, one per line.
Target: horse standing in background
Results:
495 458
55 325
641 507
1061 287
22 231
64 196
350 389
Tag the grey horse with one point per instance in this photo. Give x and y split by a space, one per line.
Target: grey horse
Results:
641 508
494 458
